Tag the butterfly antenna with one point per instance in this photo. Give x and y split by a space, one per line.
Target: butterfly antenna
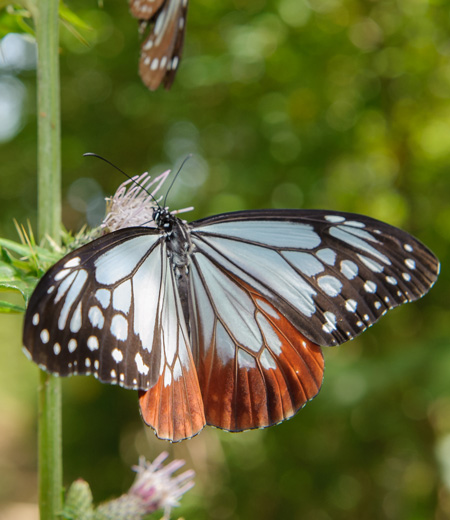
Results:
90 154
175 178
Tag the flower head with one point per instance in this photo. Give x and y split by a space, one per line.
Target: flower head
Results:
134 202
154 488
157 488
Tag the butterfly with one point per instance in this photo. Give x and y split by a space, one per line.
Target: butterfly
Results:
161 50
221 321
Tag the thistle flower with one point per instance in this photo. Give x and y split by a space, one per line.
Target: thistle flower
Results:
154 488
133 203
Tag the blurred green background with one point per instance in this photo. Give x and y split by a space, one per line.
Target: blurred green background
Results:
340 104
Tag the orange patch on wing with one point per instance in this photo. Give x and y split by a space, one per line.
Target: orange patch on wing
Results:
174 411
282 381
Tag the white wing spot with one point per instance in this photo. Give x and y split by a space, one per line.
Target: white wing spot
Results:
154 64
104 297
349 269
62 274
267 360
354 223
119 327
366 317
370 286
351 305
410 263
50 289
56 348
35 319
122 377
113 373
87 362
75 322
305 262
371 264
408 248
96 317
117 355
45 336
74 262
330 324
72 345
327 255
177 371
360 324
163 62
334 218
92 343
122 297
245 360
330 285
406 276
167 377
377 305
141 366
386 299
96 364
175 62
391 280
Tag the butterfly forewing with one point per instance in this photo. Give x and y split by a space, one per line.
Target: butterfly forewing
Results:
331 274
162 48
93 312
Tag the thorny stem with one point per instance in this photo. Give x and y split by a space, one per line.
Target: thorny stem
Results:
45 13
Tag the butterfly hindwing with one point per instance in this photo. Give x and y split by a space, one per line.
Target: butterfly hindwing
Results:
330 274
255 369
94 311
173 407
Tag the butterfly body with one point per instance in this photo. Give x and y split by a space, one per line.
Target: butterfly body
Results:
220 321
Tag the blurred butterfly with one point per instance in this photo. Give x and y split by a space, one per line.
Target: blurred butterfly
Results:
161 49
220 321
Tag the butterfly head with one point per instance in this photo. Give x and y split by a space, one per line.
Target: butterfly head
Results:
163 219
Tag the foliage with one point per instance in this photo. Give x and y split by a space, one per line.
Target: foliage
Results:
285 103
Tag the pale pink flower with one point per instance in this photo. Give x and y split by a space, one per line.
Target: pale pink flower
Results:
155 485
155 488
134 202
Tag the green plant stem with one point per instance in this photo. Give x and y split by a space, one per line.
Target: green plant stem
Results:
49 222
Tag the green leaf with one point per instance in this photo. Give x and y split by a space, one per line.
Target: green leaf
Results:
70 17
11 308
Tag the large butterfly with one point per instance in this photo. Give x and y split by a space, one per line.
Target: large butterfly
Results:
219 321
161 50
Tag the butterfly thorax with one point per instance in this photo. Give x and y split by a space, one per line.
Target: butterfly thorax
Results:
178 240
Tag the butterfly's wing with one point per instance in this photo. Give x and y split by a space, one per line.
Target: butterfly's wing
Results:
94 312
173 406
268 286
331 274
111 309
255 368
161 50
